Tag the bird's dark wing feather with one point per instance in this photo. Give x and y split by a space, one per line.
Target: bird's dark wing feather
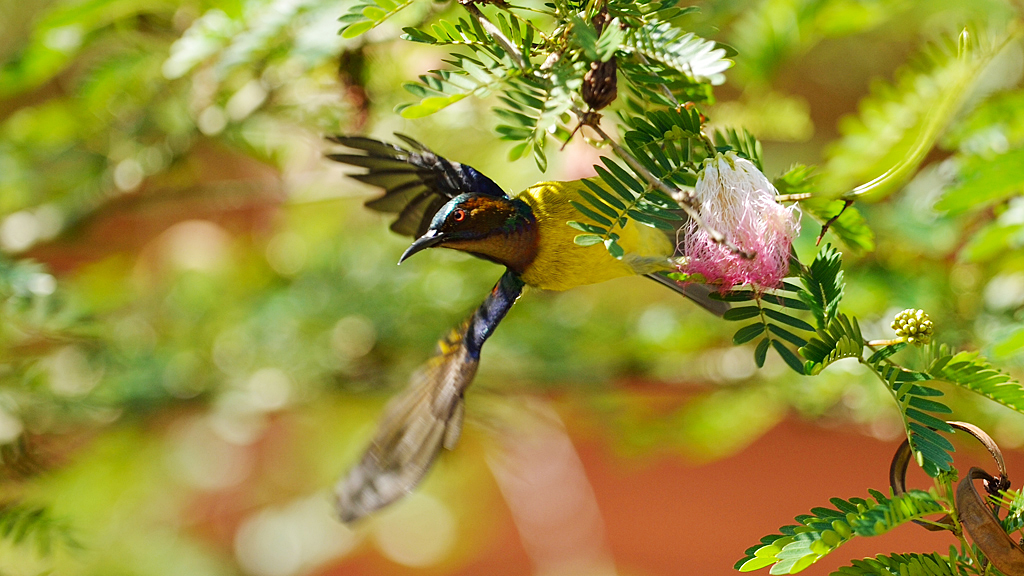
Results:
427 416
416 181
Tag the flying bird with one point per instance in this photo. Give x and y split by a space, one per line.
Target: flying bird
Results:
451 205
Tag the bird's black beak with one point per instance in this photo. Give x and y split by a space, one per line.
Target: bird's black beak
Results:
428 240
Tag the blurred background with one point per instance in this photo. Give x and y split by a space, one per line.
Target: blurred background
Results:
201 322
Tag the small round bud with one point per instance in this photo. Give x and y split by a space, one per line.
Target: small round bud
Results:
913 326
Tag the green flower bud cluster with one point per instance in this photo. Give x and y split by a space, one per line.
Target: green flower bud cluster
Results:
914 326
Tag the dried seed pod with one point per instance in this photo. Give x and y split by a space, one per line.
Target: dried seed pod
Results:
600 84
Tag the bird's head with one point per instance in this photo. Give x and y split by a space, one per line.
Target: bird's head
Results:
502 230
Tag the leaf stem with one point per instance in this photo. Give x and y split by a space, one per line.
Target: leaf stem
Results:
793 197
890 342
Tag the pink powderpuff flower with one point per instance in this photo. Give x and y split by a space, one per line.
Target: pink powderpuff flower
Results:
734 198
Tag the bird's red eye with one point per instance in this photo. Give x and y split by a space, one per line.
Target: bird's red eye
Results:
459 215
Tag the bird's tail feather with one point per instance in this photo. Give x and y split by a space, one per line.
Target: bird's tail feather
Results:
427 416
416 425
699 293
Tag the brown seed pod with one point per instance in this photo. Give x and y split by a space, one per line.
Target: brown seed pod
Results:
600 84
984 527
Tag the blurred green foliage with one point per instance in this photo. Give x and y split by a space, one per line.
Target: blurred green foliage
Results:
182 274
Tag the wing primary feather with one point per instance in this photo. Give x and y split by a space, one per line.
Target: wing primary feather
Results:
400 196
397 170
427 417
699 293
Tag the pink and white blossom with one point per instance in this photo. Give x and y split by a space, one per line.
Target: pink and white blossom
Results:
735 198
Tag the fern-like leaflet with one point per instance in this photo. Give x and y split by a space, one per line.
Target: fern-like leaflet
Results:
1013 501
840 339
901 565
972 371
773 322
534 109
468 77
823 285
692 55
23 523
491 69
611 206
797 546
918 411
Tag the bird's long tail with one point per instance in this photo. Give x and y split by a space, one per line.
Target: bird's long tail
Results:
699 293
415 426
427 416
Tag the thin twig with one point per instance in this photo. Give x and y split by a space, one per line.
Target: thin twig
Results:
889 342
793 197
846 204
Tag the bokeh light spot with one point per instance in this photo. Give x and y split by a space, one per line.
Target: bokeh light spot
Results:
418 532
293 539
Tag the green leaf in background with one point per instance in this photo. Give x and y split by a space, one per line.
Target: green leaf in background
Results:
850 227
365 15
985 181
899 124
23 523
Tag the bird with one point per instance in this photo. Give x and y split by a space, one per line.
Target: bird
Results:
445 204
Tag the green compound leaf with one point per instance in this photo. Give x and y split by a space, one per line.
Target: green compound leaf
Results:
699 59
773 314
823 285
972 371
899 123
900 565
841 339
366 15
931 450
27 524
817 534
617 196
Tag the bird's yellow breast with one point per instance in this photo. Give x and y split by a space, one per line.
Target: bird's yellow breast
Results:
560 264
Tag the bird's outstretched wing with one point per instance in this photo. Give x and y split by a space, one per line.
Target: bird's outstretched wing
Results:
416 181
427 416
